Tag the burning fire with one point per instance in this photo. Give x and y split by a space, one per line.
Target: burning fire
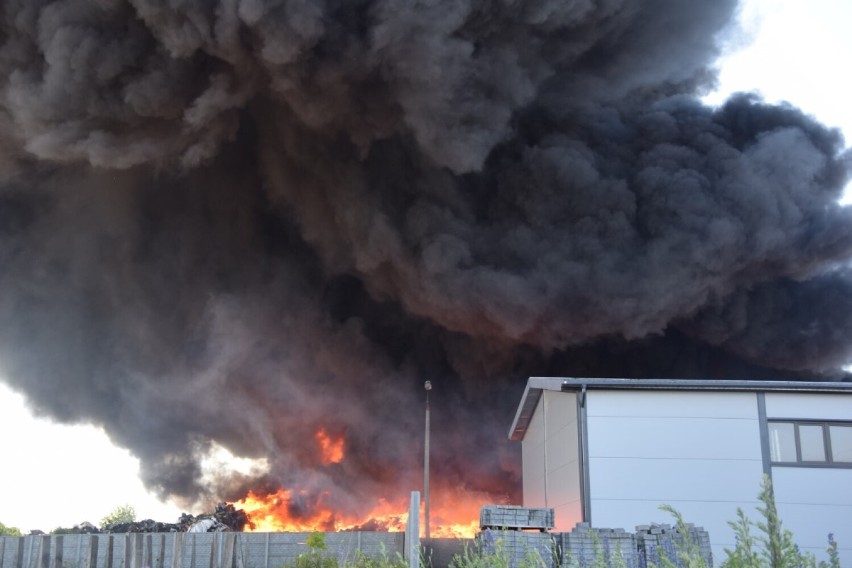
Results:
453 513
331 447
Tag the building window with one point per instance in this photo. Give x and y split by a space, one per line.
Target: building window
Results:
810 443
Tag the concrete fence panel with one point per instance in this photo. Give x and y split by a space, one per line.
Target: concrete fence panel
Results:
186 550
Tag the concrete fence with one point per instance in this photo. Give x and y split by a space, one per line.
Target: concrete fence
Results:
184 550
581 547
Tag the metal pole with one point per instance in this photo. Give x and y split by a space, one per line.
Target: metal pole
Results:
426 526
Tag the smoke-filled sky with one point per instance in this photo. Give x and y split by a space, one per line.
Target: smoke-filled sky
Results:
231 224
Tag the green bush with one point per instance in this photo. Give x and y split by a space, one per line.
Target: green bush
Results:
383 560
477 557
121 514
9 531
778 549
687 552
316 556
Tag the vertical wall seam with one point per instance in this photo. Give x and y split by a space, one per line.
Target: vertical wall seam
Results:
583 423
544 446
763 426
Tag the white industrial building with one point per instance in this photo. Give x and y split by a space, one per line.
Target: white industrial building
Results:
611 451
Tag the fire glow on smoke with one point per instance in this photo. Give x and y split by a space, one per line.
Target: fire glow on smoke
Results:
331 447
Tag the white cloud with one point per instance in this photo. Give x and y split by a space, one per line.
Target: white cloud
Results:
55 475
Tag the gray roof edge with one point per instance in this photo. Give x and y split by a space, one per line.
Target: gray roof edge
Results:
570 383
529 400
536 385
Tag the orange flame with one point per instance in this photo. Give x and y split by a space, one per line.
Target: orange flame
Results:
454 513
280 512
331 447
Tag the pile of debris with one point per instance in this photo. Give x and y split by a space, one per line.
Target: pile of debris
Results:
226 518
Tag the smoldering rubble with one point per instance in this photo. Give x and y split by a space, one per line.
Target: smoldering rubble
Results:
233 223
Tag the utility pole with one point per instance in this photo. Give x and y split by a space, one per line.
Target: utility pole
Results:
428 386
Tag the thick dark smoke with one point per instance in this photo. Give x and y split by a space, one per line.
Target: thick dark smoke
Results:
239 221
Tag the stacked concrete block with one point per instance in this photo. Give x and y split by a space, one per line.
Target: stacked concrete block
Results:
584 545
655 542
518 547
514 517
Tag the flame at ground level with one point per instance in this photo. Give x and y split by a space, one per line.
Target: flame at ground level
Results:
454 513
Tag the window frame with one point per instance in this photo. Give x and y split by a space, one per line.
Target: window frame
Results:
826 443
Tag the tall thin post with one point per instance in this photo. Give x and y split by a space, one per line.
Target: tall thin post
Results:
426 525
412 531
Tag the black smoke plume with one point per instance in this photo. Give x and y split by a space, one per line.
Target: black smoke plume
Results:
240 221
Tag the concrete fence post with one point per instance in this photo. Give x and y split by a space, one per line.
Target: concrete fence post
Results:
412 531
266 552
19 557
161 554
2 549
138 550
149 551
214 552
58 545
177 551
32 561
92 558
44 551
109 551
128 552
228 550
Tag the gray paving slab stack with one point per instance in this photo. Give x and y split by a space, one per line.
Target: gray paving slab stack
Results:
514 517
519 548
656 541
582 546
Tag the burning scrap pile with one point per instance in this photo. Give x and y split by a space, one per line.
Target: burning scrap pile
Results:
225 518
239 224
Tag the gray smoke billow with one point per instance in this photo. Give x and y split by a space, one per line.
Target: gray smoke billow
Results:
240 221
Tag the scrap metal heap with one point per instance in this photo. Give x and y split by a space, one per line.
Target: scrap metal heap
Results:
226 518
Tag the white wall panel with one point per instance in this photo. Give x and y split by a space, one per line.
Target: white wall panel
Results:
674 437
813 502
563 458
532 460
821 486
697 451
568 515
564 484
661 480
561 410
828 406
533 467
551 460
562 448
535 429
562 444
685 404
533 492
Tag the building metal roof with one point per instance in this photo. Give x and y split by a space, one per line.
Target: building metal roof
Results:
536 385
